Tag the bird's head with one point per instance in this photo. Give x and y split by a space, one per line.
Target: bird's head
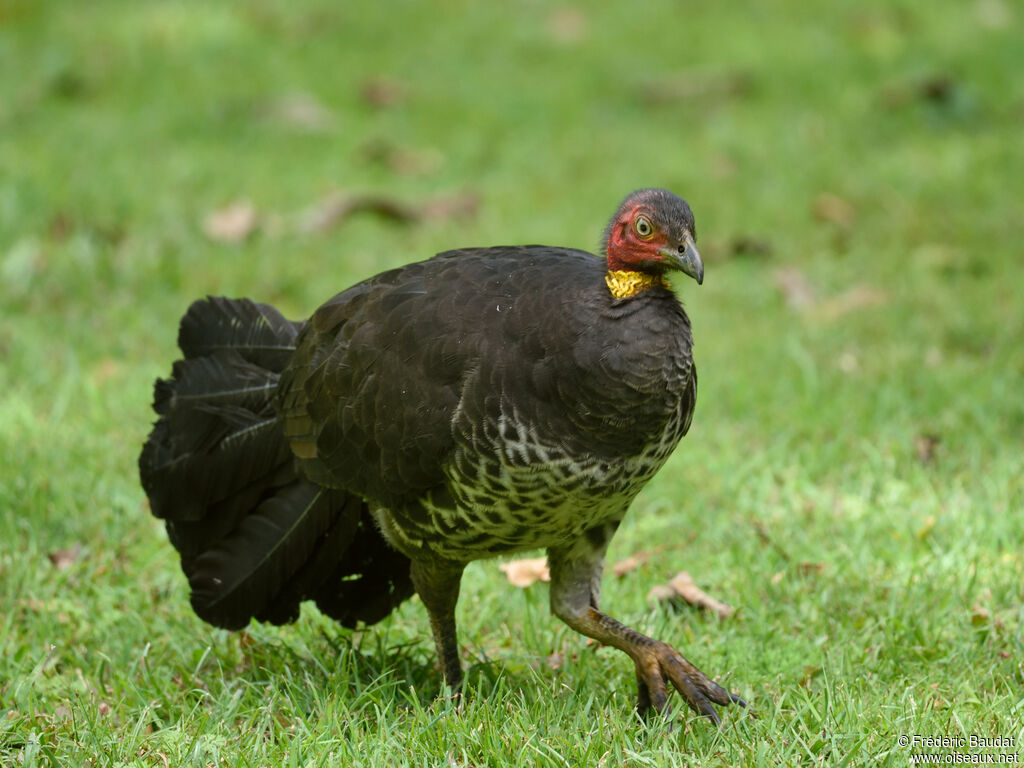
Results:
651 233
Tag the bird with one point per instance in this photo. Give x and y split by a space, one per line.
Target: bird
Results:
481 402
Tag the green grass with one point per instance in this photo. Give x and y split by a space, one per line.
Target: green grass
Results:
878 574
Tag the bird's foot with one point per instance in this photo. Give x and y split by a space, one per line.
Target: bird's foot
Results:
658 665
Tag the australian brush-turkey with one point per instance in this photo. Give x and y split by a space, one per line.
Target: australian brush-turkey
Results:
485 401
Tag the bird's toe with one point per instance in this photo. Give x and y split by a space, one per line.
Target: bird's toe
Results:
663 663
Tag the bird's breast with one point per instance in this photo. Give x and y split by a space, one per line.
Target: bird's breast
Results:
518 489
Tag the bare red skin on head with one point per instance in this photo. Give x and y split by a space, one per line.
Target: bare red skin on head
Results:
626 250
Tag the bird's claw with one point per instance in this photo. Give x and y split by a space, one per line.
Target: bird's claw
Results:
660 663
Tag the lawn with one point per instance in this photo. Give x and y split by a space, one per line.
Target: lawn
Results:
853 483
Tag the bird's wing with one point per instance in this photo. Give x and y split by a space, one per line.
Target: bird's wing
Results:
384 370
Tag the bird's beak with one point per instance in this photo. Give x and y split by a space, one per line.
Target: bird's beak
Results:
686 260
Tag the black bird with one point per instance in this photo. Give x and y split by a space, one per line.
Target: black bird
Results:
484 401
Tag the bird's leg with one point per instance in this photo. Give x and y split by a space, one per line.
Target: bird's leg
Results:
437 583
575 590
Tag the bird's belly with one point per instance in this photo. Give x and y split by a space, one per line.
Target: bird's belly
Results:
519 498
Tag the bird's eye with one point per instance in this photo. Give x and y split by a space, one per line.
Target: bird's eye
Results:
643 227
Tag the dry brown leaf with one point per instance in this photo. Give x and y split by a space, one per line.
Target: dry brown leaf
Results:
629 564
408 162
693 85
63 559
857 297
107 368
809 568
523 573
301 111
567 25
927 526
382 92
464 205
232 224
554 661
848 362
661 593
810 672
835 210
936 88
984 615
60 227
795 288
334 209
762 533
750 246
684 585
925 445
993 14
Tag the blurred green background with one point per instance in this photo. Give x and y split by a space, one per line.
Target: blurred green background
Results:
853 479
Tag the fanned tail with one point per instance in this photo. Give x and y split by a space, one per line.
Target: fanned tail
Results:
255 539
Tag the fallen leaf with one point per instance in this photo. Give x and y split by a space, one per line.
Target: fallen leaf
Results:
810 672
332 210
661 593
232 224
835 210
382 92
993 14
567 25
107 368
336 207
927 525
925 445
407 162
683 586
300 110
629 564
465 205
751 246
809 569
63 559
697 85
554 661
795 288
850 300
523 573
937 88
848 362
60 227
762 533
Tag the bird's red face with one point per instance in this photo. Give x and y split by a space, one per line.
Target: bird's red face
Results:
653 232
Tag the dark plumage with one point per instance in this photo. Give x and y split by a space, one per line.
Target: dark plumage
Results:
481 402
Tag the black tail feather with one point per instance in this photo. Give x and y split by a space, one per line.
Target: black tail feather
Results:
242 574
218 433
369 583
255 539
257 332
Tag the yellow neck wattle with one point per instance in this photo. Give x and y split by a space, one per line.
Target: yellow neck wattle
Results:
625 283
